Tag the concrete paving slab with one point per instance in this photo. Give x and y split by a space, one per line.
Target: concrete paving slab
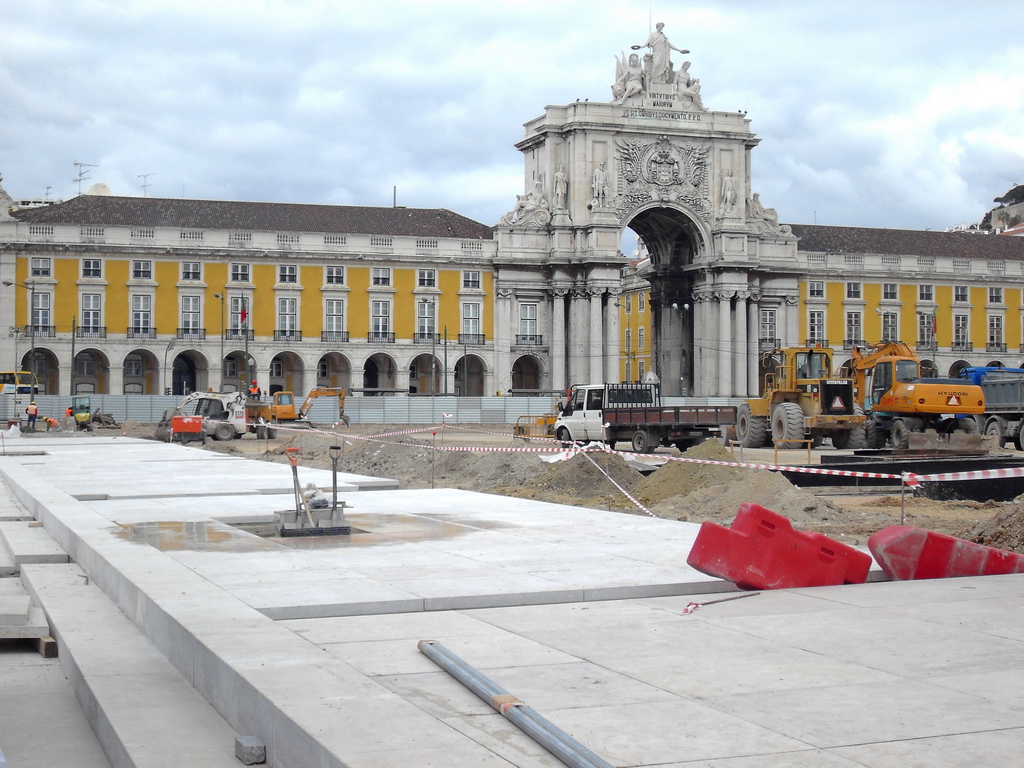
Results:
968 750
30 543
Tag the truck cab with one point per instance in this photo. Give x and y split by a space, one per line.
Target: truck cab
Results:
582 416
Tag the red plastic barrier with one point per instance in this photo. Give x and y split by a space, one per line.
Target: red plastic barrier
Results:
907 553
762 551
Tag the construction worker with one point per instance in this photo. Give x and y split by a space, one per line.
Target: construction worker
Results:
254 390
33 413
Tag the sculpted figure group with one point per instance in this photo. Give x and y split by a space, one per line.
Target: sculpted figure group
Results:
633 78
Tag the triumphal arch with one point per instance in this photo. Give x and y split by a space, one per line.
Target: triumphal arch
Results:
652 158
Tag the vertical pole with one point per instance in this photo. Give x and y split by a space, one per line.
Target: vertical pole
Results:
903 509
446 360
245 330
73 334
32 334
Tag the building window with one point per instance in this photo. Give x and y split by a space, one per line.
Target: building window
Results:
768 326
190 271
91 305
925 293
133 365
926 330
381 276
40 267
230 368
190 313
528 319
629 339
427 278
425 318
816 326
239 273
629 303
640 338
287 273
92 268
995 330
335 275
85 365
277 368
853 290
41 310
471 279
323 368
960 333
995 295
471 318
890 325
380 318
238 314
890 291
286 315
640 302
335 316
960 293
816 289
640 370
142 307
853 326
142 270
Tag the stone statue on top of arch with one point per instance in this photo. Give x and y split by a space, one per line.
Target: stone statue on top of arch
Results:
660 68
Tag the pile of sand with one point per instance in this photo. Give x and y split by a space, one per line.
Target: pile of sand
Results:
1003 531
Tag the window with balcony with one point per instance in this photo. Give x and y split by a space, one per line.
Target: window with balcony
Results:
853 330
425 321
380 276
287 273
380 321
287 318
815 327
853 291
142 270
190 314
926 331
426 278
40 312
334 320
142 316
92 305
769 328
239 273
471 279
190 271
961 334
890 291
890 323
471 318
640 302
528 322
334 275
995 334
40 267
92 268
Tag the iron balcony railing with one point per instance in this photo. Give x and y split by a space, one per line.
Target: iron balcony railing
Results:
380 337
40 331
472 338
767 344
239 334
336 336
91 332
529 339
138 332
426 338
963 346
851 343
816 342
287 335
995 346
196 334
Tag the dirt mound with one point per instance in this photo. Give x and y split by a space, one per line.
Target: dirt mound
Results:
680 478
1003 531
578 482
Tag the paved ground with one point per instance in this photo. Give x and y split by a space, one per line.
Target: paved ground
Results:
580 613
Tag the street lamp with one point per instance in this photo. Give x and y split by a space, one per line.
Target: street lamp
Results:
31 329
221 297
170 346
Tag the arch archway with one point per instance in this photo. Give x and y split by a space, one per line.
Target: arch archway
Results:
189 373
995 364
141 371
235 376
287 373
955 368
526 374
425 375
378 373
929 370
46 369
334 370
92 373
674 240
469 376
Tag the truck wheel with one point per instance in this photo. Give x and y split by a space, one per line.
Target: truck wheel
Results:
900 434
968 425
1017 440
564 437
641 442
858 435
223 432
874 435
995 427
751 430
841 439
788 424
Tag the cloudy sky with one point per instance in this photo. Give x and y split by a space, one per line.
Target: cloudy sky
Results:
896 113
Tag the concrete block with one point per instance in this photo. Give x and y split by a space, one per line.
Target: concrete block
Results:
30 543
250 750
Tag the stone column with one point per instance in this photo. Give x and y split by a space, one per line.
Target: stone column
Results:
557 343
612 367
723 346
115 377
578 341
701 336
753 350
501 372
739 357
792 337
596 337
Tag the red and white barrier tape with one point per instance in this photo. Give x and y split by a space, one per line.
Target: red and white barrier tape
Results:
622 490
978 474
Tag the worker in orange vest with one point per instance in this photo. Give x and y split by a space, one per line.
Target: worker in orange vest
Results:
254 390
33 413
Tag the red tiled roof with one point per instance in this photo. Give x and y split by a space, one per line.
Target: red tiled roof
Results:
97 210
906 242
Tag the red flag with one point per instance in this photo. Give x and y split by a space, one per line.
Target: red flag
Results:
244 314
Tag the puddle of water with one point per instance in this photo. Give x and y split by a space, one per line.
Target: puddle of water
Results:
199 536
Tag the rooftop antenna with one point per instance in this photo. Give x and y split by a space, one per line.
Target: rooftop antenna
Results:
145 182
394 196
82 173
47 195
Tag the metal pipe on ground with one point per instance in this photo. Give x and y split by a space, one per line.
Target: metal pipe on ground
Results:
554 740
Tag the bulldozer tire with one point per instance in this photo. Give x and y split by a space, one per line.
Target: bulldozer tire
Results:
874 435
787 424
900 434
751 430
858 435
641 442
223 432
841 439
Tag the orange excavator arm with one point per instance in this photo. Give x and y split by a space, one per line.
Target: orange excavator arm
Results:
338 392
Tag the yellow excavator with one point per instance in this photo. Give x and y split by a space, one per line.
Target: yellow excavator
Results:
899 401
281 406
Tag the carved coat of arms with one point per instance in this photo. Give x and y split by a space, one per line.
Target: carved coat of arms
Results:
663 171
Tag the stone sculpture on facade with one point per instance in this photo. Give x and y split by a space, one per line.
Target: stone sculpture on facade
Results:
660 70
561 188
665 172
764 219
601 187
531 209
6 201
688 90
729 194
629 78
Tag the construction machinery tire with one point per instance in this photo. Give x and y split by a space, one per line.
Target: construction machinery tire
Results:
642 442
751 430
858 435
900 434
787 425
261 432
968 425
223 432
874 435
841 439
1017 440
996 427
271 433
